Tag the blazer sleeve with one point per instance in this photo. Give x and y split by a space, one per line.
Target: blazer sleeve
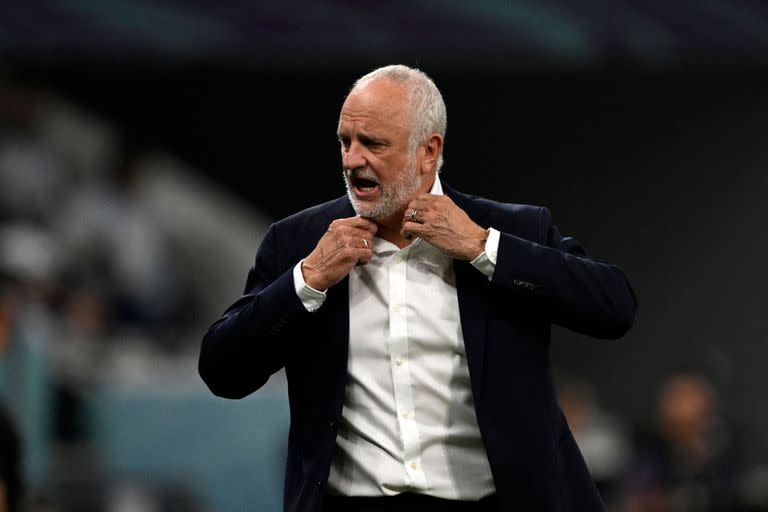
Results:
248 343
575 291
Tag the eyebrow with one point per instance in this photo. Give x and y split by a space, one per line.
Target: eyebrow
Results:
368 139
364 138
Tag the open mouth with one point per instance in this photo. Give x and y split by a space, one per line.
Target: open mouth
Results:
364 186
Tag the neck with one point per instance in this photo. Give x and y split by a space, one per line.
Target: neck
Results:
389 229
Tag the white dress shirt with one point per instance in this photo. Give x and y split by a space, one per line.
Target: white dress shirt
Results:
408 422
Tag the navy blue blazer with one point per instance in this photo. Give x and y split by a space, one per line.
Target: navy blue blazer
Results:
541 278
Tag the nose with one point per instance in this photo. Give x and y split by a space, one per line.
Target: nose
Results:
353 156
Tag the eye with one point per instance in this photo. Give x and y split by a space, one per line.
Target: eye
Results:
344 142
371 143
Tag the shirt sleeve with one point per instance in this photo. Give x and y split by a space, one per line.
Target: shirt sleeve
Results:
311 298
486 260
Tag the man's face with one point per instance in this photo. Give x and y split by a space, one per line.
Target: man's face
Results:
380 173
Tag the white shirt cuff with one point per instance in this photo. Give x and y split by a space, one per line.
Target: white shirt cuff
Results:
486 260
311 298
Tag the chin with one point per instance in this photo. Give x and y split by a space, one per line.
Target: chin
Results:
369 211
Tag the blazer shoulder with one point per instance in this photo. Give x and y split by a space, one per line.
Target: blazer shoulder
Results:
478 206
319 214
288 240
526 210
527 221
496 209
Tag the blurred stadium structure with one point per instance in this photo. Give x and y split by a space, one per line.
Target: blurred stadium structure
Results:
145 146
316 34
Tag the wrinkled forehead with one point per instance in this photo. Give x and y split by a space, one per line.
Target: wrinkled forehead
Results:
380 99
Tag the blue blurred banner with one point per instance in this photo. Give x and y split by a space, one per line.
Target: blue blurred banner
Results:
522 33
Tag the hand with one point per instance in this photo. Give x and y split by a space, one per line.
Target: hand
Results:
348 242
446 226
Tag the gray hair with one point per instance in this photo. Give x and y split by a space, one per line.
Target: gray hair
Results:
428 114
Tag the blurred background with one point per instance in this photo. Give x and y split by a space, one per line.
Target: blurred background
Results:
146 145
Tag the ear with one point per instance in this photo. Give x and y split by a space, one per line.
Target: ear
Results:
432 149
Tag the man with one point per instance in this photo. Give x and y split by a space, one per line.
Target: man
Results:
413 323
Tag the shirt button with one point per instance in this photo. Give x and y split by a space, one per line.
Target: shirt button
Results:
398 259
406 414
493 254
396 307
414 465
399 360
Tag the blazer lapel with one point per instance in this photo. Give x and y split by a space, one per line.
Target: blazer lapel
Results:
472 291
336 312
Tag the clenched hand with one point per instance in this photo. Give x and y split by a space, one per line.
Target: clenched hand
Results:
439 221
348 242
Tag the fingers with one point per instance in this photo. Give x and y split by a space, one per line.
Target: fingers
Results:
347 242
355 238
364 256
354 231
412 230
351 239
416 211
354 222
413 215
426 202
423 206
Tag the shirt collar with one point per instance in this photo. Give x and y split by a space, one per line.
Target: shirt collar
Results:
437 187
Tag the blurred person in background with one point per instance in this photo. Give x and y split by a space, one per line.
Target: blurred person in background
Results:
117 252
689 462
383 303
32 177
602 437
28 259
90 295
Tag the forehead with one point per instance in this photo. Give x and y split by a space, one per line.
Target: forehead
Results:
379 104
